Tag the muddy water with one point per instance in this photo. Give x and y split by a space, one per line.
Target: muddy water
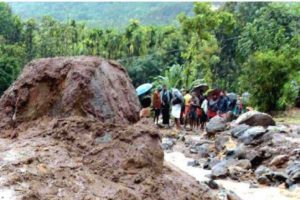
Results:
242 189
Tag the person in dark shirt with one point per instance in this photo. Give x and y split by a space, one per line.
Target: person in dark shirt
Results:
223 103
165 97
194 104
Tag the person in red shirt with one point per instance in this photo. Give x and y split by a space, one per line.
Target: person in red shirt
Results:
156 103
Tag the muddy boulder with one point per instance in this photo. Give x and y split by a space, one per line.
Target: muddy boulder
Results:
255 118
62 87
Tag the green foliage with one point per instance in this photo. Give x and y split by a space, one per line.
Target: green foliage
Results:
264 74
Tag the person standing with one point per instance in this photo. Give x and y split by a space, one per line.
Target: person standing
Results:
204 108
222 104
165 97
156 104
194 104
177 102
187 100
212 106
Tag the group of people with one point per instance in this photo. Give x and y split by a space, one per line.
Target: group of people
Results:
191 108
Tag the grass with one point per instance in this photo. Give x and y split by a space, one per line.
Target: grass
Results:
290 117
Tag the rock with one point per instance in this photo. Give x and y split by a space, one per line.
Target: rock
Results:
240 152
278 129
210 163
62 87
220 142
167 143
212 184
296 152
255 118
215 125
193 150
255 157
239 130
293 173
267 152
276 178
260 174
279 160
266 176
252 134
194 163
263 180
233 196
204 150
261 170
244 164
220 170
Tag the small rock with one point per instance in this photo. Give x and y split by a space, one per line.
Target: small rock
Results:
278 129
277 177
215 125
220 170
293 172
279 160
232 196
244 164
204 150
254 157
261 170
255 118
263 180
167 143
194 163
210 163
240 152
212 184
220 142
193 150
296 152
239 130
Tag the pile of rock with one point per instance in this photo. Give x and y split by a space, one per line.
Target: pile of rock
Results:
253 148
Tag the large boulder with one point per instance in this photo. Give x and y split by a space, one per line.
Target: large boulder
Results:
215 125
255 118
252 134
239 130
62 87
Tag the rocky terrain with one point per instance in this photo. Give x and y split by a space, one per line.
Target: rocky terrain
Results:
251 149
70 130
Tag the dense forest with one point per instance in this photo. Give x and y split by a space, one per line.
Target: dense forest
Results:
239 47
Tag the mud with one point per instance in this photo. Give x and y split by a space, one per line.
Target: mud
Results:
62 87
70 122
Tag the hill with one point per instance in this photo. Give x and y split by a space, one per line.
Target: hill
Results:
104 14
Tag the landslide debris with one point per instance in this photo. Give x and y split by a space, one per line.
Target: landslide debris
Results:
75 139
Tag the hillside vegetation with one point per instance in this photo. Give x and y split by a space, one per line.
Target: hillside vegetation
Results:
97 14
